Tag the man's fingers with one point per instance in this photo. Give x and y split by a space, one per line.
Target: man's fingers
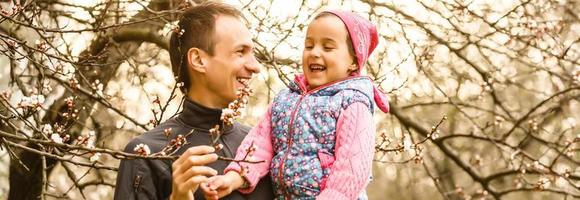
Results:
179 178
194 160
189 170
196 150
199 170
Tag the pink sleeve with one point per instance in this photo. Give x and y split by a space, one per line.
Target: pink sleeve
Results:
354 153
261 136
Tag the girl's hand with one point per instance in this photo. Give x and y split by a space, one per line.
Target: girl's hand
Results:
219 186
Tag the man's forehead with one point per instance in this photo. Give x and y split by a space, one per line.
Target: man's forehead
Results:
232 31
225 24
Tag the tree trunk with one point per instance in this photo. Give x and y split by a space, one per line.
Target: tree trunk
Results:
101 60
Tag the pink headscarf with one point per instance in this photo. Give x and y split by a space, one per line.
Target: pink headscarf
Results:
365 38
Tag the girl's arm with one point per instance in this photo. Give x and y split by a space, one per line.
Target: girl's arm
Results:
354 151
261 137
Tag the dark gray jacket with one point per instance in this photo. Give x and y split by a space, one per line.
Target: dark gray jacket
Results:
151 179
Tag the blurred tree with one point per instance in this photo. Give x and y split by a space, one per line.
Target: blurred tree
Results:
484 94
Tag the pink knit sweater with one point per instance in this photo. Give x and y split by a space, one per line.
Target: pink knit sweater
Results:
350 168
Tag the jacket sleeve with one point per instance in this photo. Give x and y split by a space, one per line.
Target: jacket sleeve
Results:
137 179
261 137
354 151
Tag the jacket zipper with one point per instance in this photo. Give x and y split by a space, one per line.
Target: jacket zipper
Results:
291 132
288 148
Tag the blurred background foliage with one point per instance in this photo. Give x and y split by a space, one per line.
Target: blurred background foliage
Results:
484 93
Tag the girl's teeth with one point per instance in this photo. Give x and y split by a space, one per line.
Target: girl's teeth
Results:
316 67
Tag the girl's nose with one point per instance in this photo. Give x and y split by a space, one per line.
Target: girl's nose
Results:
315 52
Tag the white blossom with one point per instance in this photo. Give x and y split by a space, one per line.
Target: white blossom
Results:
98 86
543 183
227 111
91 140
6 93
407 144
68 72
169 27
24 102
576 75
228 115
33 101
95 157
46 88
142 149
46 129
56 138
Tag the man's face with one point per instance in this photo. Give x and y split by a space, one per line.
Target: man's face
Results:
233 61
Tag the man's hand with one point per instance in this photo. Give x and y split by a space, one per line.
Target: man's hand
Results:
189 171
219 186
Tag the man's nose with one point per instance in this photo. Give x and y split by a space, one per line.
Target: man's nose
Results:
253 65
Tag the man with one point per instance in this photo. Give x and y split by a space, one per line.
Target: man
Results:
212 56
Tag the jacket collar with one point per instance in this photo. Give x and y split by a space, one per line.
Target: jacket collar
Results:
358 83
199 116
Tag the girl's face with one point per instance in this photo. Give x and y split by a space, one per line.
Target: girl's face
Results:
326 56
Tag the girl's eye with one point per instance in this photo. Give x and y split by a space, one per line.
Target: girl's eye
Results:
308 47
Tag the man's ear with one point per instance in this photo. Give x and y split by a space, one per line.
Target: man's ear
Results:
196 58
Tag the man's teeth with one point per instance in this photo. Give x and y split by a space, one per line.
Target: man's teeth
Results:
243 80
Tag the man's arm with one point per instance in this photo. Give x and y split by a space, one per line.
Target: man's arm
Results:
139 178
134 179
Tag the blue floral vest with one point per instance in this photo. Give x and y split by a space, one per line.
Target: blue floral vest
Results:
303 134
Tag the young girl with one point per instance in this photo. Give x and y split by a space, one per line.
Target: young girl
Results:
317 138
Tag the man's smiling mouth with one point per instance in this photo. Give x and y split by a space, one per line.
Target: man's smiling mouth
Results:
243 80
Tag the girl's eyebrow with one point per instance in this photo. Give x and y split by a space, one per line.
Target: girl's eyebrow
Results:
324 39
327 39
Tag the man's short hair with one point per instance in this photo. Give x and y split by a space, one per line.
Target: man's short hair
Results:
196 29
